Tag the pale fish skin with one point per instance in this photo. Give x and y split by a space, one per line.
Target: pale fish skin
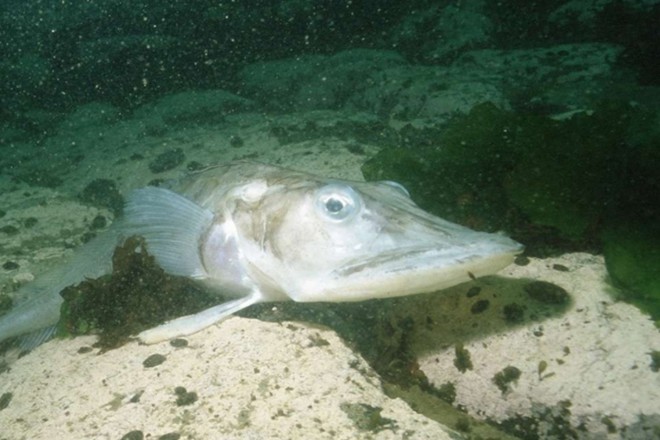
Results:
261 233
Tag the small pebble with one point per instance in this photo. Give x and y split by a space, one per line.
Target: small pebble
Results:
154 360
136 397
4 400
560 268
179 343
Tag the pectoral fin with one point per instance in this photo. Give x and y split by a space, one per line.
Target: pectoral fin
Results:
187 325
171 225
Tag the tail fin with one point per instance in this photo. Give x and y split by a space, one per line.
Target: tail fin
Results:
41 308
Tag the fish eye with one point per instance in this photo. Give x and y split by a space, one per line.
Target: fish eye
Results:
338 202
397 186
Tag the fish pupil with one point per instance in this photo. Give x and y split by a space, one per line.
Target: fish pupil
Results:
334 205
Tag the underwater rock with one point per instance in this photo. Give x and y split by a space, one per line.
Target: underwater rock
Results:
549 79
382 83
313 82
88 116
631 24
194 108
575 362
244 378
39 178
438 32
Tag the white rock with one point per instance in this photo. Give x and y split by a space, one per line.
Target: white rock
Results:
253 380
596 351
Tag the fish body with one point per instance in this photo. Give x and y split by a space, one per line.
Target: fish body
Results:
263 233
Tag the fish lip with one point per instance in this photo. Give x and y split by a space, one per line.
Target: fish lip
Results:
421 258
406 258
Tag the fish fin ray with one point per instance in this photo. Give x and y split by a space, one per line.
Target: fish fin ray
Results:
32 340
171 226
39 307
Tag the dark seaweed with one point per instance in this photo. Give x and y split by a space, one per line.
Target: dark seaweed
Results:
137 295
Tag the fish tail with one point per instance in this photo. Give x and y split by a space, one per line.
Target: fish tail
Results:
41 308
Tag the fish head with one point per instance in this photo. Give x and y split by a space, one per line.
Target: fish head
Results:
313 239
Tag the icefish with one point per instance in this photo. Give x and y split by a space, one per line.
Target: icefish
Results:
262 233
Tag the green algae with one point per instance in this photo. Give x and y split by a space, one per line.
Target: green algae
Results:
460 176
366 417
185 397
103 193
655 361
632 256
504 378
463 360
167 160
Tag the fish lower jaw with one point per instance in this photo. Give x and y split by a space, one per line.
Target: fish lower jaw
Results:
402 281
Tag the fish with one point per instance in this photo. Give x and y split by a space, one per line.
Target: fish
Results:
262 233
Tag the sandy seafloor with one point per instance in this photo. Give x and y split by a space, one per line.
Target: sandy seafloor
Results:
585 372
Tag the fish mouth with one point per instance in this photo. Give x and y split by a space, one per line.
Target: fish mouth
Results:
425 258
415 270
393 261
